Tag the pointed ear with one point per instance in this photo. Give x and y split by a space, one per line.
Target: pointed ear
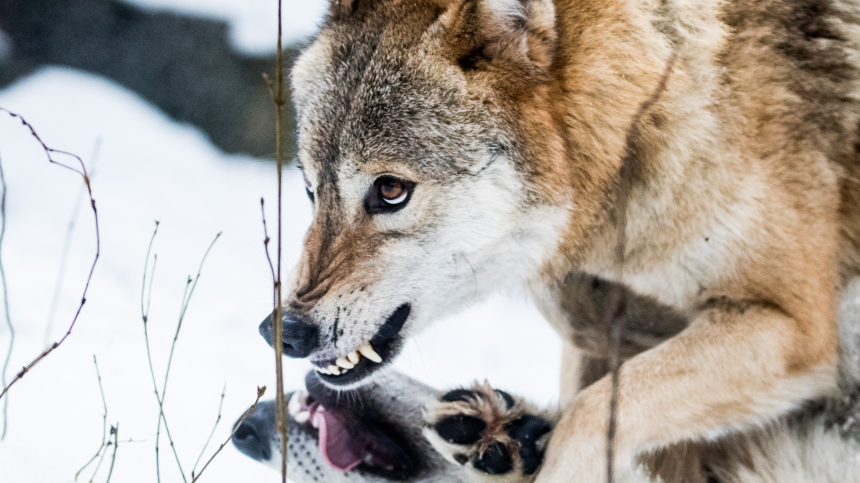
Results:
502 31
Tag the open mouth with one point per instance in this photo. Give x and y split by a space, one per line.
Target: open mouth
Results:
361 362
349 441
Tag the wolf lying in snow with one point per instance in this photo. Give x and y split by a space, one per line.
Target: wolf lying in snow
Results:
378 435
452 148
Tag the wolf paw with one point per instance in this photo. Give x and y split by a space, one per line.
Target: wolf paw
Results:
501 438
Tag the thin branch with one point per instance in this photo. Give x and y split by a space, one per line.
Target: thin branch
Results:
99 465
104 422
144 309
209 439
280 402
266 241
67 243
144 314
260 392
115 432
186 299
82 171
5 304
614 317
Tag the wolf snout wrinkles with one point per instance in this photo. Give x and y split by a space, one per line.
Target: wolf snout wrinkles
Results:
300 338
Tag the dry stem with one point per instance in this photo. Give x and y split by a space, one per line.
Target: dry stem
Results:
209 439
115 431
104 423
190 285
280 403
614 318
67 243
186 299
82 171
5 304
260 392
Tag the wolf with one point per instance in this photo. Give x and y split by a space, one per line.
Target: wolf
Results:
376 433
453 148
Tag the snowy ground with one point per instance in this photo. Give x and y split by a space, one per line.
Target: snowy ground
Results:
151 168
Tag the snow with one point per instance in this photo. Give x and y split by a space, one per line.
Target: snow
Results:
253 23
152 168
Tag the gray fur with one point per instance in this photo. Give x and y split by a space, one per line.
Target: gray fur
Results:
820 443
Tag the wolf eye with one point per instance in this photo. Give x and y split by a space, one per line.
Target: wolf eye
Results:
310 190
392 191
388 194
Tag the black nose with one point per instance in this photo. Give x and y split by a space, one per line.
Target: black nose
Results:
254 436
299 337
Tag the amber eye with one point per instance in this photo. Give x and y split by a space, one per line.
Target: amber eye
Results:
389 194
392 191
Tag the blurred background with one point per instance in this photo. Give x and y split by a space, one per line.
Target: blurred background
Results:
165 102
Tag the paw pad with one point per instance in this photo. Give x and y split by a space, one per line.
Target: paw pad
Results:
488 428
461 429
528 430
496 460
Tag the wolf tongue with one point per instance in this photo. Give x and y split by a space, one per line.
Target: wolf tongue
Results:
345 442
336 433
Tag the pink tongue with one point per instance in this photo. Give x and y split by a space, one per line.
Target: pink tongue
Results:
335 436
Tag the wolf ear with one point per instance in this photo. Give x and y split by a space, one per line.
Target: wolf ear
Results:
503 31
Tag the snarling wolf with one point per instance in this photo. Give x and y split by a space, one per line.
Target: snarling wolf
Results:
452 148
377 434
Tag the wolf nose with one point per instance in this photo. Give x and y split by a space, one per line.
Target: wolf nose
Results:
254 436
299 338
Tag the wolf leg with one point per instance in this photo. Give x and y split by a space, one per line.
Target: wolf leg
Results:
738 365
495 436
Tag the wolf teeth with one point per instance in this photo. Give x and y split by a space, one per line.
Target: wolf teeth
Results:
344 363
296 403
367 351
302 417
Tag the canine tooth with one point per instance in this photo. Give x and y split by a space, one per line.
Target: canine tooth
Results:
353 357
315 422
333 370
302 417
295 405
342 362
367 351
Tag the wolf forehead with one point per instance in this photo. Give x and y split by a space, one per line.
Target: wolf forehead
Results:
378 84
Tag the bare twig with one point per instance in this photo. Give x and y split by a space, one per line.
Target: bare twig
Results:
614 317
101 459
5 304
144 308
115 431
209 439
67 243
145 302
280 402
260 392
186 299
104 422
82 171
144 314
266 241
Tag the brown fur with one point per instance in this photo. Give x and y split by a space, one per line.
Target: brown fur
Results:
743 213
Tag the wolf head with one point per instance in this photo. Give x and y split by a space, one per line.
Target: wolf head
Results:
426 135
